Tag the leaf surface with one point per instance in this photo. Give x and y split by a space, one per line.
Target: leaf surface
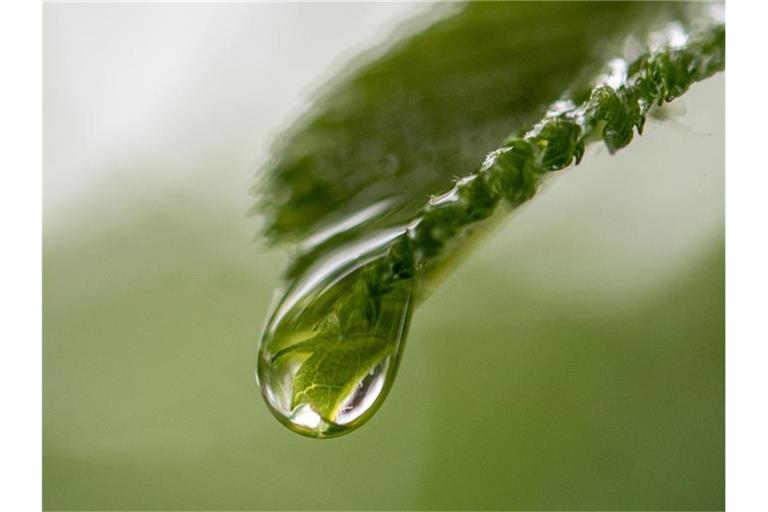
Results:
387 135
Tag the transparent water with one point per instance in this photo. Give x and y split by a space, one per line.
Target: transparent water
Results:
331 347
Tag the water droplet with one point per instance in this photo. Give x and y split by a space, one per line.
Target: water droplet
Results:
331 348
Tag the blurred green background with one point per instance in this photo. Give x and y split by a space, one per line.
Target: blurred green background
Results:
574 361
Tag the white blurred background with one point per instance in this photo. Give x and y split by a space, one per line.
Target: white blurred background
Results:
166 95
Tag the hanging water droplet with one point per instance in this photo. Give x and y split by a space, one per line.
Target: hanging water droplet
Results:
331 348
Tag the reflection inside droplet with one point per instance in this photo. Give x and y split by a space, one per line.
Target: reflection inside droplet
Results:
330 351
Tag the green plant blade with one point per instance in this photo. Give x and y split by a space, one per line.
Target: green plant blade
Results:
427 111
385 234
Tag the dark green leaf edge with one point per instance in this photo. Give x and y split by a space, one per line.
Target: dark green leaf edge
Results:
400 122
513 172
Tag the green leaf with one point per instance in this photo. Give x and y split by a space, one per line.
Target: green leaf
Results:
466 97
342 351
391 133
337 365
